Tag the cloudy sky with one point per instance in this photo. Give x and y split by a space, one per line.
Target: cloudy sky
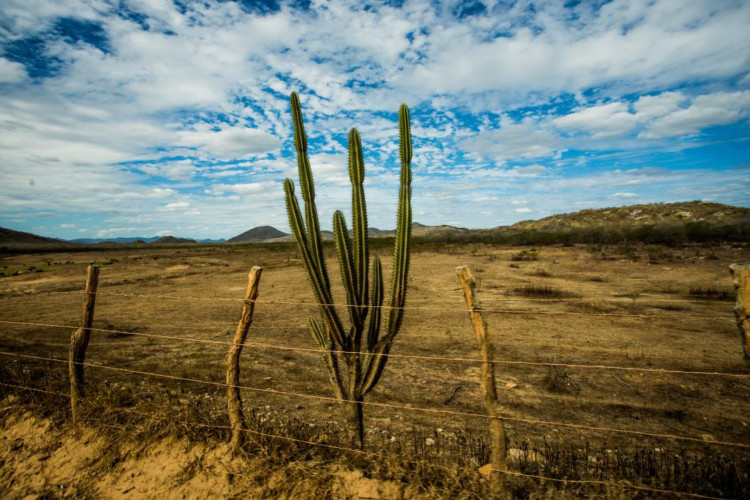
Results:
155 117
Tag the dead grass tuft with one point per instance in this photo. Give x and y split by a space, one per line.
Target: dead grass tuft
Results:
525 255
709 293
544 292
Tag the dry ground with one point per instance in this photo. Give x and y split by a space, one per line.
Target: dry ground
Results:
637 307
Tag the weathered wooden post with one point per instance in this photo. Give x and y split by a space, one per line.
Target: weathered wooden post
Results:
234 399
498 459
741 279
79 341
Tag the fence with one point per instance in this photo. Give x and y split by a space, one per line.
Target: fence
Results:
77 362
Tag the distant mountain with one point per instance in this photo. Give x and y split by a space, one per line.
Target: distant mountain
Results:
209 240
11 238
172 240
135 239
417 229
258 234
420 231
640 215
140 240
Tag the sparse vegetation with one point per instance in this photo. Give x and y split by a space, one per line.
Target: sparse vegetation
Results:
545 292
597 279
525 255
709 293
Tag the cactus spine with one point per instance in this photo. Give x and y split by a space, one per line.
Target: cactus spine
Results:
362 347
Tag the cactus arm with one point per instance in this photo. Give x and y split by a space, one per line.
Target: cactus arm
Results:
377 303
403 227
346 261
300 138
379 353
373 330
323 338
322 294
359 223
307 187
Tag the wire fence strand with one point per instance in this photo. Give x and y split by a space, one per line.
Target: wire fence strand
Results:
606 483
531 421
34 389
455 298
314 350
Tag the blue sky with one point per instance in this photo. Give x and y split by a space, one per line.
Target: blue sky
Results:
155 117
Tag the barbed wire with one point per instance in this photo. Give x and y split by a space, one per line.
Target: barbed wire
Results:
396 406
605 483
456 297
27 388
262 345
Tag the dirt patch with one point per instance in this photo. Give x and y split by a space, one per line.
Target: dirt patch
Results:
41 460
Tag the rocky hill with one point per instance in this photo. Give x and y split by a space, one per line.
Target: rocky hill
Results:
258 234
173 240
417 230
11 238
639 215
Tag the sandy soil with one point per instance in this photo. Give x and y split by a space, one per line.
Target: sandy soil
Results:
39 460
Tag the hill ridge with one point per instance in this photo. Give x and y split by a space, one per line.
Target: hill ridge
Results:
637 215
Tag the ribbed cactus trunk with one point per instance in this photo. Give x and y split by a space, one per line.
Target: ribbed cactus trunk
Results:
364 345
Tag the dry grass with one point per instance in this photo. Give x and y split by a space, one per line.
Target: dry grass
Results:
544 291
667 331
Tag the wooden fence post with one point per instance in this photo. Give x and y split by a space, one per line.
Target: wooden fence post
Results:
79 341
498 459
741 279
234 399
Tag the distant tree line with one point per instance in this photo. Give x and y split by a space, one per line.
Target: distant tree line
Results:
672 234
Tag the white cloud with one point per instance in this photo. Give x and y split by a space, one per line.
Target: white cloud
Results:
530 171
177 205
705 111
163 192
634 44
655 106
181 170
230 143
515 141
330 168
606 120
117 232
11 72
253 188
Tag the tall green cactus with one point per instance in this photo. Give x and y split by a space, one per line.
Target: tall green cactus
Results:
364 345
